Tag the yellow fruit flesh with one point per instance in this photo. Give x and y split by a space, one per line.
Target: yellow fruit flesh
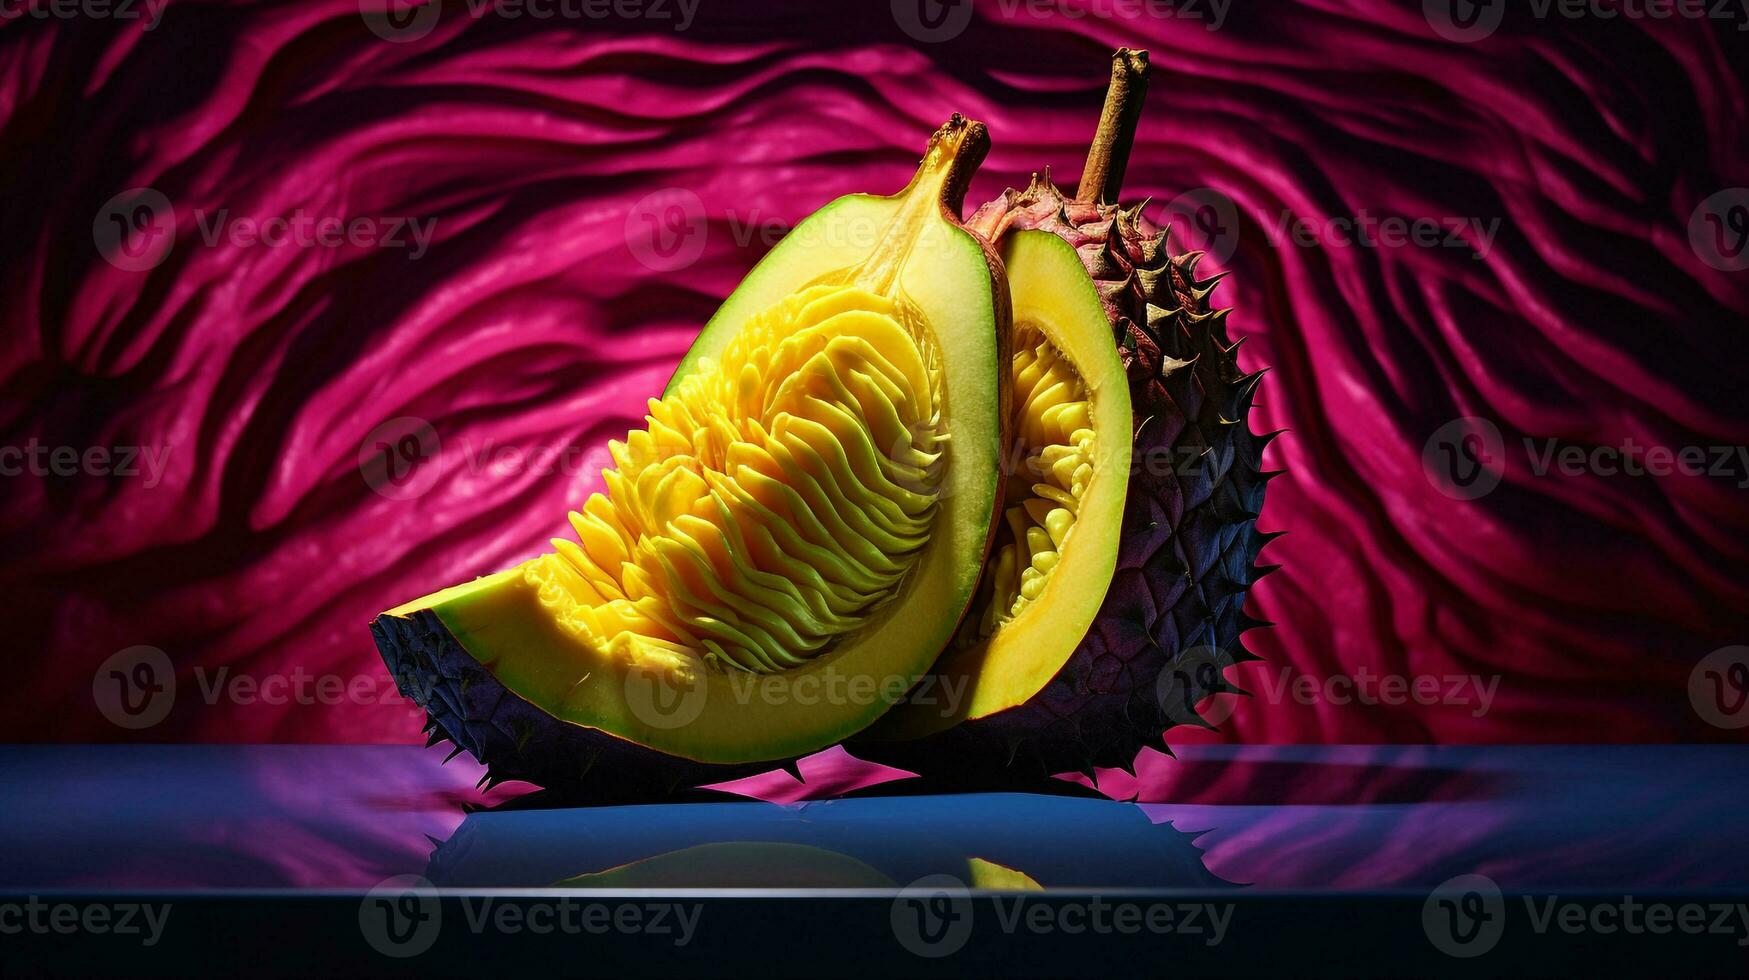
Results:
777 496
1050 466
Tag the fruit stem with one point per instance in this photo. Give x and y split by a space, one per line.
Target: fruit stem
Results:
955 151
1102 178
942 177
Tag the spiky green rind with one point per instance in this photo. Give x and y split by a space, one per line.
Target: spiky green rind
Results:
1173 619
516 740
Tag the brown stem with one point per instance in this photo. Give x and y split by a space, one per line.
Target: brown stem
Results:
1102 178
968 141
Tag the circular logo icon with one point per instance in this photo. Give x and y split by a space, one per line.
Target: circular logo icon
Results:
135 229
1718 231
932 916
1718 687
136 687
401 916
394 457
1186 683
400 21
666 229
1464 21
1204 220
1465 458
1465 916
661 700
932 21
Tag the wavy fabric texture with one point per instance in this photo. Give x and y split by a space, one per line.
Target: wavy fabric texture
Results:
568 203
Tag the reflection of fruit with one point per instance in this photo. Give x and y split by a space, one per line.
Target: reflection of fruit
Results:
783 550
1130 539
1007 841
738 864
988 874
759 864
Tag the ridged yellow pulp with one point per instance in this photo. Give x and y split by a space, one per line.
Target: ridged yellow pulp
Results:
776 498
1051 455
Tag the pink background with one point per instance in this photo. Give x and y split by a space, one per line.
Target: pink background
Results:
532 323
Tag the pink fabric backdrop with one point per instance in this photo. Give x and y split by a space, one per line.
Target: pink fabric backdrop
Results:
541 311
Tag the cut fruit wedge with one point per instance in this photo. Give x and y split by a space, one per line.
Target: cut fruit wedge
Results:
784 548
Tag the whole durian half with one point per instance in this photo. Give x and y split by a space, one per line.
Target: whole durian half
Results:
1059 671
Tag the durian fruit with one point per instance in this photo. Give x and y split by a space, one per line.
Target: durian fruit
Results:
786 546
1104 618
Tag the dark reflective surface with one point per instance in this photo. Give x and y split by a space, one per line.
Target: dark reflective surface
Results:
996 840
1346 818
